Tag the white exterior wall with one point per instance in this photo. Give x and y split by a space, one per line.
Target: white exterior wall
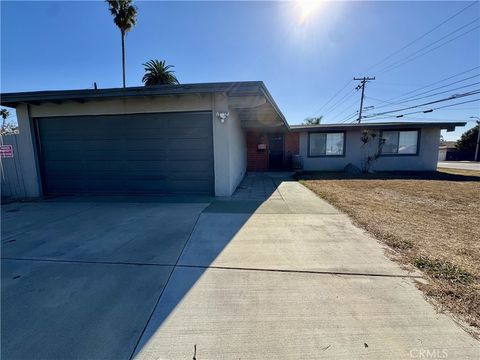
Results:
426 160
238 151
229 145
229 148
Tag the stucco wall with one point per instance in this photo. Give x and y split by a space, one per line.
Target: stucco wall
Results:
237 150
228 137
426 160
125 106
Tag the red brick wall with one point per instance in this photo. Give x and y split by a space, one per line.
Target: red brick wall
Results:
258 160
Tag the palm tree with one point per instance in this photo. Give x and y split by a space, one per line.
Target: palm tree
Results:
125 17
157 73
4 113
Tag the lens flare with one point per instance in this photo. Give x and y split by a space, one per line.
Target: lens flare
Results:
307 9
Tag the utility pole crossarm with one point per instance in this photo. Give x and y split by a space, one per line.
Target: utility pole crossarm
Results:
363 81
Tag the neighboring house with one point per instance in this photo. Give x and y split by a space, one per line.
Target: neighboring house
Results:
191 138
447 151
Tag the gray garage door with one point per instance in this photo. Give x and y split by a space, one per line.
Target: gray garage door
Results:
167 153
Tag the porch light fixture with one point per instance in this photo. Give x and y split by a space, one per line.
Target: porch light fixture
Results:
222 116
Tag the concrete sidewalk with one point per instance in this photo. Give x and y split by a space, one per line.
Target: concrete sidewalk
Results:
461 165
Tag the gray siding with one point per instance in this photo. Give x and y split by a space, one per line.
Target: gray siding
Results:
425 160
136 153
13 184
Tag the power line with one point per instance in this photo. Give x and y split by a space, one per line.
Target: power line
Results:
450 105
333 97
473 92
415 97
440 87
427 96
395 53
422 36
346 108
431 110
469 108
437 108
349 117
441 92
348 95
392 67
435 83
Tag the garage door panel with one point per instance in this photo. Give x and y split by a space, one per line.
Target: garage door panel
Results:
191 144
157 155
178 121
74 185
145 122
150 144
187 186
190 133
59 174
54 146
103 144
104 186
114 165
65 166
141 153
198 166
187 155
154 165
102 155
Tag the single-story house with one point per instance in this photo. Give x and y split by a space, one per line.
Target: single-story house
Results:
190 138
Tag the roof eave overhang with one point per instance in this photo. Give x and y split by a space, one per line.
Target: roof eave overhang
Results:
449 126
60 96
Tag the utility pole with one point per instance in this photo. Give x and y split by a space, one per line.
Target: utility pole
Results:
363 81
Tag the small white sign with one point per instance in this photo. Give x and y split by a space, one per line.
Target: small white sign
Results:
6 151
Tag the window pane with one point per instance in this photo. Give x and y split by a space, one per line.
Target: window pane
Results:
391 142
317 144
334 144
407 143
322 144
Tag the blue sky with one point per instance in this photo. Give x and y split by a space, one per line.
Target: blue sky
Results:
69 45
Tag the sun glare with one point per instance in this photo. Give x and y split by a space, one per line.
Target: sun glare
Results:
306 9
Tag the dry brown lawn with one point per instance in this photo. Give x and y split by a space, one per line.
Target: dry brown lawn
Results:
431 220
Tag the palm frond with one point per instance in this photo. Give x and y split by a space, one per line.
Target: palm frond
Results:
124 14
157 73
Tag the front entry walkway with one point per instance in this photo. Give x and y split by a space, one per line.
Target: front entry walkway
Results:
261 185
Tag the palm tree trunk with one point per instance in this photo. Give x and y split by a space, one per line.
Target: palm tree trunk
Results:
123 56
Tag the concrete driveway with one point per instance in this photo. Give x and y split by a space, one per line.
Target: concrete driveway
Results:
284 278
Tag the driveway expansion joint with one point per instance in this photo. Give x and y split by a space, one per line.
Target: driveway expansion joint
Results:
88 262
312 272
235 268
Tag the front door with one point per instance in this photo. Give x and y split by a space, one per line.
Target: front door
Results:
275 151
